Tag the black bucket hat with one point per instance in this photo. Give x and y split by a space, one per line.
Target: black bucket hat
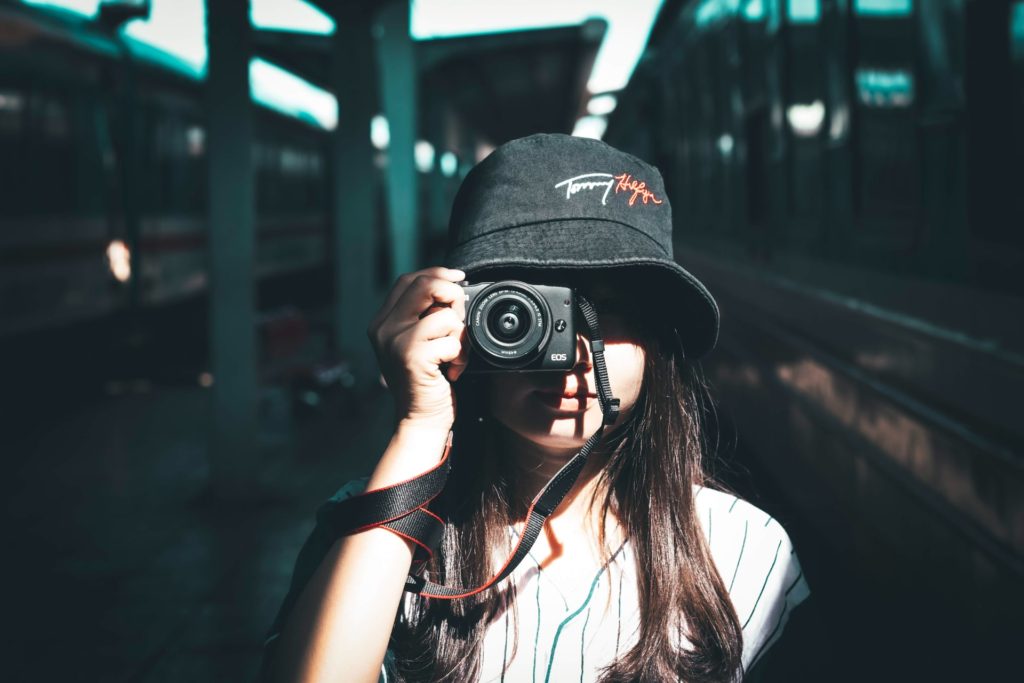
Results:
553 202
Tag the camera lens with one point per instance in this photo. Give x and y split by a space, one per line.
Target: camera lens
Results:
508 321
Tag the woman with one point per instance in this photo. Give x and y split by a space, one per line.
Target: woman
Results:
645 572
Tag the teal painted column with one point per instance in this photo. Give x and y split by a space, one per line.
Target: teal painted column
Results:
354 188
438 204
398 88
231 248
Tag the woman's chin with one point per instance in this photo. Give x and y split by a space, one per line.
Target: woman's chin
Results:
553 422
559 430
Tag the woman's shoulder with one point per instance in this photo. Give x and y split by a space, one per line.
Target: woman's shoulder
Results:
730 513
312 553
757 562
707 497
741 535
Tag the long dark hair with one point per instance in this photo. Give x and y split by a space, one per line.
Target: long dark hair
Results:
655 457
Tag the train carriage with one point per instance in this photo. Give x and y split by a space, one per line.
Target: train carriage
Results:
846 177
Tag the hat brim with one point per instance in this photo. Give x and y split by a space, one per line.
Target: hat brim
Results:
583 246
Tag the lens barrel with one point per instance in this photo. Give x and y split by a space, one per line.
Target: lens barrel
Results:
509 323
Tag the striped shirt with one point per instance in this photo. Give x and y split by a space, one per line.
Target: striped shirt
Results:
570 638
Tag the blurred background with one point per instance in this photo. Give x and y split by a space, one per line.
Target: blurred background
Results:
203 203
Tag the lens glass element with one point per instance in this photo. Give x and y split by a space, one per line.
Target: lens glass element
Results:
508 321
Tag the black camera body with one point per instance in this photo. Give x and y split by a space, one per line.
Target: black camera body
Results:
514 326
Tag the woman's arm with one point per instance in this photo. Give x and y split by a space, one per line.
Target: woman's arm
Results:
339 627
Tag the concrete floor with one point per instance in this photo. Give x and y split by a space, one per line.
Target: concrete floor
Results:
119 564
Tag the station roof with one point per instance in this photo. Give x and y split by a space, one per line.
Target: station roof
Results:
504 85
513 84
507 69
510 69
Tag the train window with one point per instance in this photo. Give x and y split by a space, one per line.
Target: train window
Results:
12 106
883 8
888 178
195 137
885 87
804 11
173 156
53 118
49 166
993 121
887 169
12 115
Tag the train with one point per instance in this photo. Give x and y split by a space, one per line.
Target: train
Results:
845 177
102 163
103 185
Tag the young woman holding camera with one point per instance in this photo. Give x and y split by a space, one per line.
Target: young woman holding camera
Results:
647 570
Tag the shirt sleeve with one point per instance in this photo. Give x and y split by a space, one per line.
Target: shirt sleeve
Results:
310 556
773 586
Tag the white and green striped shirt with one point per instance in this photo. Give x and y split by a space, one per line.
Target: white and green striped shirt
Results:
570 639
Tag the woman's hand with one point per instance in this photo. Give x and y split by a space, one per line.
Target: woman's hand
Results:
421 326
343 617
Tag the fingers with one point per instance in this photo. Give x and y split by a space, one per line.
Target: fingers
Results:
423 296
403 283
442 349
458 364
443 322
425 310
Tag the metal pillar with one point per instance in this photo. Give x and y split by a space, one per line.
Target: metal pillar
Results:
231 247
353 192
398 86
438 204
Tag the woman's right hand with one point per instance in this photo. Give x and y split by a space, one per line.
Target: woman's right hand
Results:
420 326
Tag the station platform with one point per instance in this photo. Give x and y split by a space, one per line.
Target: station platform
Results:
120 565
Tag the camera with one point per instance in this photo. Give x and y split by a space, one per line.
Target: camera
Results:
514 326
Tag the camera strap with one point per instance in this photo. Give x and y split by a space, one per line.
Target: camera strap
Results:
402 508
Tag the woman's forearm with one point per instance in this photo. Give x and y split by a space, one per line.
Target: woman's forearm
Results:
339 627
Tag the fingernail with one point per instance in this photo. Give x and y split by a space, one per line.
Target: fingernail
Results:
457 273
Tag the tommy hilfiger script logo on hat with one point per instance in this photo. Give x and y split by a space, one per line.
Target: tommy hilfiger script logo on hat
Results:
623 182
